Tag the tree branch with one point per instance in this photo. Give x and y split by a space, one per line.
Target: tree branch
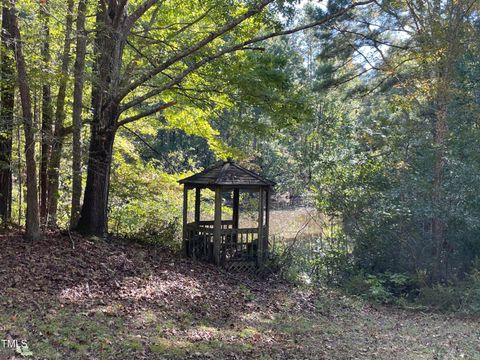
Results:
162 156
137 14
190 50
242 46
190 24
148 112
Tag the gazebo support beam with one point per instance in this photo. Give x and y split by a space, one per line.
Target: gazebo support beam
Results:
197 204
236 205
185 220
217 226
267 217
260 227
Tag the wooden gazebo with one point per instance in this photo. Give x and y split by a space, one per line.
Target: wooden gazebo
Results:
222 241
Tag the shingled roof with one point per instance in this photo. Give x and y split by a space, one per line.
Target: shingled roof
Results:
227 173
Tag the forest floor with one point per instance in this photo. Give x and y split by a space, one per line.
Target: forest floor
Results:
73 298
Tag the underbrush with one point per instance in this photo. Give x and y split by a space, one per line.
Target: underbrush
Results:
334 266
146 205
463 296
163 234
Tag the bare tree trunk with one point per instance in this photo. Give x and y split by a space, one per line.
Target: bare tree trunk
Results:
47 115
93 218
79 69
109 46
57 141
7 88
32 220
19 172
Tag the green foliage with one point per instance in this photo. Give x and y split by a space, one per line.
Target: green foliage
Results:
312 260
464 296
24 351
440 297
290 261
384 288
145 203
375 165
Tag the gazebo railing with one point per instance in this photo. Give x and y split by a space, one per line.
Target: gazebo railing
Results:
239 244
235 244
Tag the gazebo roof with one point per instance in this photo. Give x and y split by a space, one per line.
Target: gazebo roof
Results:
227 173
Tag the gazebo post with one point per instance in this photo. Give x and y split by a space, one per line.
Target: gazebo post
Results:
236 203
267 217
260 227
217 225
185 219
235 217
197 205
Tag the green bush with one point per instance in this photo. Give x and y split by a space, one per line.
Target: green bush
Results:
472 293
384 288
377 290
331 266
289 263
163 234
440 297
463 297
145 204
296 262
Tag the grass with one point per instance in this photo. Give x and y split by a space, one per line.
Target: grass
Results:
336 327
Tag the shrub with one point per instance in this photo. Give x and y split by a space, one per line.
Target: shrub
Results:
163 234
289 263
145 204
384 288
472 293
463 297
440 297
298 262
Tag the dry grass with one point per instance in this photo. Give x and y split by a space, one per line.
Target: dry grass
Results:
303 221
289 223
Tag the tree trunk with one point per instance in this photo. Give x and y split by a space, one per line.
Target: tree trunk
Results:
57 141
454 28
47 115
79 68
93 217
438 227
109 46
7 87
32 220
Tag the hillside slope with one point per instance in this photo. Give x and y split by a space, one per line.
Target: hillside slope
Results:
73 298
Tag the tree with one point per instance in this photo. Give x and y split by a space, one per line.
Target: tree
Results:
438 39
59 133
401 61
32 218
7 89
120 89
79 70
447 27
47 111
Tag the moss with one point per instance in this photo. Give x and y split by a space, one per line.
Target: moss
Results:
171 348
134 343
248 333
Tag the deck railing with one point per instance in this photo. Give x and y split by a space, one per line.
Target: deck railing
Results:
235 244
